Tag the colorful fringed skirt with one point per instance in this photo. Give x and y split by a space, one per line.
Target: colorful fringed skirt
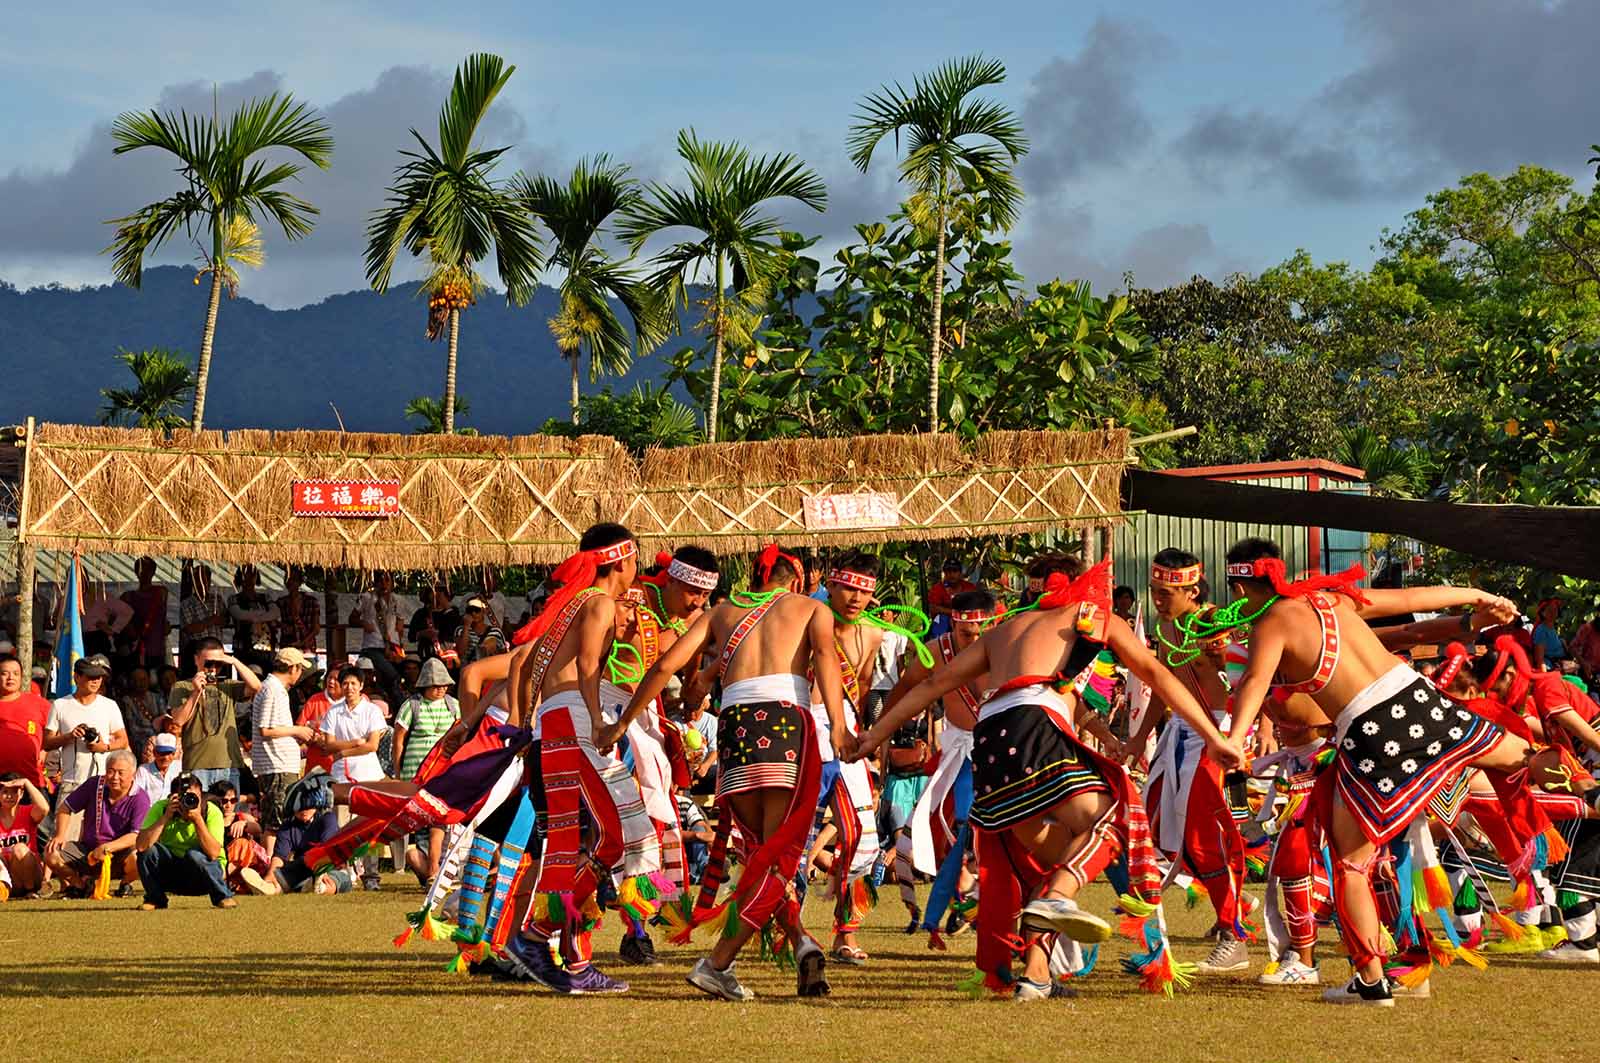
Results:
1400 742
1024 765
759 746
1580 872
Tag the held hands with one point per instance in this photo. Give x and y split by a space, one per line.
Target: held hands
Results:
607 737
1493 610
848 747
1226 753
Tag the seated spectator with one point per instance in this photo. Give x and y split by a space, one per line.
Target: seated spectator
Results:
697 836
1549 651
165 764
434 625
112 810
289 874
19 832
242 835
180 848
24 716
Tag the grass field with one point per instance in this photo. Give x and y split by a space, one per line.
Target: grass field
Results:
307 977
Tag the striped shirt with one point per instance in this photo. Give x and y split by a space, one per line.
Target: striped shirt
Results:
425 722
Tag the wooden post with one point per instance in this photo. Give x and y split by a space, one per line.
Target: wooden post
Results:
1086 544
26 558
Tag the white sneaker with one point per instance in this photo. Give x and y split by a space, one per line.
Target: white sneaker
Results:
1026 992
724 984
1291 972
1063 916
254 882
1358 992
1567 952
1421 991
1229 954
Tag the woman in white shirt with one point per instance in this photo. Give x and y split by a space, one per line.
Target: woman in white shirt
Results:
351 731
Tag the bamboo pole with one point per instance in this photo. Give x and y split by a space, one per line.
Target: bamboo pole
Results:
26 561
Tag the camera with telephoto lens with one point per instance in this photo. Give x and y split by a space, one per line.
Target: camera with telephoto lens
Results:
90 735
183 792
189 800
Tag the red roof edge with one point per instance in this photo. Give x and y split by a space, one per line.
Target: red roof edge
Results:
1268 470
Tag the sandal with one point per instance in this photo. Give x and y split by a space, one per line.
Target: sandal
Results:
850 956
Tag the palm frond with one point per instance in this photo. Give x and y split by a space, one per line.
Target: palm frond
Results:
164 384
478 81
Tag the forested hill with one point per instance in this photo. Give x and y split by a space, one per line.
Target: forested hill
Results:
361 351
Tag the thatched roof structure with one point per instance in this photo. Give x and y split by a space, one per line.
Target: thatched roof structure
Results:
495 500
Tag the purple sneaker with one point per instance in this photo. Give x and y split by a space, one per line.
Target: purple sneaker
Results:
593 980
532 960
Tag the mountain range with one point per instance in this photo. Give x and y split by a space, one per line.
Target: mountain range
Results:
360 351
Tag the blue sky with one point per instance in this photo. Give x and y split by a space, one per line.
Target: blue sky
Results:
1168 138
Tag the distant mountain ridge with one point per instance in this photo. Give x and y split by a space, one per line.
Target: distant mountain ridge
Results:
361 351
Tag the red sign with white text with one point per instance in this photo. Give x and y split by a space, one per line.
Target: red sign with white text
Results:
865 509
363 499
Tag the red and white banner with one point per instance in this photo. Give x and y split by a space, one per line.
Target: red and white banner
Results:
364 499
867 509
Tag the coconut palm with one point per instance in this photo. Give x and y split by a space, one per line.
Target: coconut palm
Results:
226 187
727 188
429 411
164 384
446 205
575 213
949 140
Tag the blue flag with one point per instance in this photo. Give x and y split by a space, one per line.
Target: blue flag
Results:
69 646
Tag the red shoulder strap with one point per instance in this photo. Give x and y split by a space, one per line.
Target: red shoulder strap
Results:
744 627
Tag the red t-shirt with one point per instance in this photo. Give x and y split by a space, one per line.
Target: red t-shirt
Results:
22 829
943 594
315 708
22 723
1552 695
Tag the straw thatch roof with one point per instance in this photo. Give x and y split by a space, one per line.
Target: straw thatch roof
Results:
494 500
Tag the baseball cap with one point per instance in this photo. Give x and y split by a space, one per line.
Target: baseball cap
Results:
166 743
476 603
293 657
92 666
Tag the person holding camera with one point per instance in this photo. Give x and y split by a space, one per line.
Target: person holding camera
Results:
85 726
180 848
112 809
206 708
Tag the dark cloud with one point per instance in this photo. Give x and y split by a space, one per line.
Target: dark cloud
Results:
1221 143
1060 242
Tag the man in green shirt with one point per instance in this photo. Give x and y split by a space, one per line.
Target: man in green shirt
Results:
180 848
207 708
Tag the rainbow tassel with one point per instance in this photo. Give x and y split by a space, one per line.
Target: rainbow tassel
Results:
403 938
1436 885
1521 898
1510 929
1192 893
1255 867
434 929
1472 957
459 965
1132 926
1412 977
1440 952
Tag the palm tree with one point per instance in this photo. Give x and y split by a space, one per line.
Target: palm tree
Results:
1393 471
575 213
726 190
445 204
949 139
165 383
430 412
224 188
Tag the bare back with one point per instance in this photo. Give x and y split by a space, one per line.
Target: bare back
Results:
1033 643
778 644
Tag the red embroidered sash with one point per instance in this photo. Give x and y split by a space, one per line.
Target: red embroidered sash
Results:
550 641
847 672
947 653
745 626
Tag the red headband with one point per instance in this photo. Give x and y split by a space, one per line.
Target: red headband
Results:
974 616
1455 655
1273 571
1510 651
1092 589
846 578
1187 576
768 559
573 574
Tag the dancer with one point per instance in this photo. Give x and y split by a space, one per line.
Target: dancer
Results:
1399 740
771 768
1051 813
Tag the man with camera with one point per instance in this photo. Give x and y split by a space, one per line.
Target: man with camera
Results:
85 726
112 809
180 848
206 707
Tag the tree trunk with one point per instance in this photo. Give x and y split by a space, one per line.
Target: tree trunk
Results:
938 312
203 371
450 374
716 358
26 557
575 356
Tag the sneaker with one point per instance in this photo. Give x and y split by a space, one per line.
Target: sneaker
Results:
637 951
532 961
1229 954
1421 991
811 970
1291 972
592 981
50 890
1567 952
1027 991
1356 991
254 882
371 882
127 889
1063 916
713 982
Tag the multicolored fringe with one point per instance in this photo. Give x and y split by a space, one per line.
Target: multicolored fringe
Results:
640 897
1097 684
863 898
776 947
1155 968
424 923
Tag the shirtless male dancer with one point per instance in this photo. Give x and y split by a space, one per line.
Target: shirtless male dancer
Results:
1043 798
765 644
1398 739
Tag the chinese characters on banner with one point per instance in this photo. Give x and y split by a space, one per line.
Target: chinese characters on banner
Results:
345 498
869 509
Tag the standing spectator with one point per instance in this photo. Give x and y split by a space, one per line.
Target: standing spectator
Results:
180 848
1124 602
24 719
149 603
299 614
434 626
206 709
166 679
141 708
201 613
424 718
19 832
308 827
255 618
886 672
1549 652
166 764
479 637
350 734
85 726
275 749
372 688
1585 647
312 715
952 583
103 620
382 637
112 811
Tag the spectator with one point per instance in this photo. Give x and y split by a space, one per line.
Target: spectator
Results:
85 726
24 718
167 679
111 810
206 709
201 613
410 669
702 760
155 777
1124 602
180 848
350 734
1585 647
40 677
424 718
1549 652
372 688
149 603
242 845
275 749
316 708
697 836
141 708
103 620
434 627
299 615
289 874
952 583
255 619
382 639
479 636
19 832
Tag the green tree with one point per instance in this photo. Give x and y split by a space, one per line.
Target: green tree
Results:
225 184
164 383
576 213
639 419
428 412
953 144
722 204
445 204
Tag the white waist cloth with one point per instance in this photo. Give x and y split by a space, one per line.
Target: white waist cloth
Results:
778 686
582 725
824 728
1380 690
1037 694
955 750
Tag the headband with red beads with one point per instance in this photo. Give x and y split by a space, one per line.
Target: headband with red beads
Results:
855 580
1187 576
